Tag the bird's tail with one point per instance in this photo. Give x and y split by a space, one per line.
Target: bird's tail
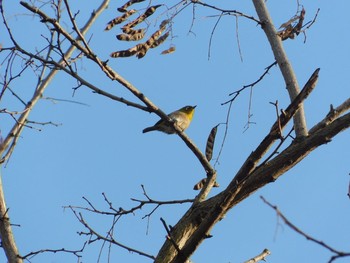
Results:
148 129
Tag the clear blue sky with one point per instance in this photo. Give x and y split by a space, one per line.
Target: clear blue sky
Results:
100 147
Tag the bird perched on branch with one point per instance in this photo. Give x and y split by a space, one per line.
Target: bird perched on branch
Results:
182 118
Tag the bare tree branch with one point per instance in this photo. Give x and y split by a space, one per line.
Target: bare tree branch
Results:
261 257
76 253
17 129
332 115
226 11
9 142
284 64
257 171
116 77
169 236
6 234
109 239
190 231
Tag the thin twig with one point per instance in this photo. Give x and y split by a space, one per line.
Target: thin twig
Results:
121 211
169 236
61 250
227 11
92 233
212 34
116 77
238 42
308 237
237 92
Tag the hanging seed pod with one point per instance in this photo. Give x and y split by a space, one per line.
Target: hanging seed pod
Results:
123 8
168 51
131 37
125 53
154 37
125 37
142 17
139 50
131 31
122 54
297 28
210 143
119 19
289 22
164 23
201 183
288 32
160 40
142 51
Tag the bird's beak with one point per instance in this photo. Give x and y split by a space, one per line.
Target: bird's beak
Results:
194 106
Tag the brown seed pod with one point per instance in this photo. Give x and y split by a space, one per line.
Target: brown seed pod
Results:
201 183
141 52
168 51
122 54
210 143
142 17
125 53
123 8
288 32
154 37
131 37
119 19
160 40
163 23
131 31
298 27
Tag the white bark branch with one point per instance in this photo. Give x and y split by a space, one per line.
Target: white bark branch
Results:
283 63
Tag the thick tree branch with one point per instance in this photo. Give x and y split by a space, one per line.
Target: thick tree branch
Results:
287 159
209 219
254 158
217 206
332 115
283 63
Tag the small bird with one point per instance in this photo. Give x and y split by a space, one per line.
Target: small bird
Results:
182 118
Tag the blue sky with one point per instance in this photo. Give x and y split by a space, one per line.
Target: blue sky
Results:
99 147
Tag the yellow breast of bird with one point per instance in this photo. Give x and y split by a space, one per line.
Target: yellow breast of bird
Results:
181 119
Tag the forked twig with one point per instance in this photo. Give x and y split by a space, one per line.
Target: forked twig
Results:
236 93
169 236
93 233
308 237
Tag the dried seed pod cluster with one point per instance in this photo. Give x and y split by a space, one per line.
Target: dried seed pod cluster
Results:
131 34
288 30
